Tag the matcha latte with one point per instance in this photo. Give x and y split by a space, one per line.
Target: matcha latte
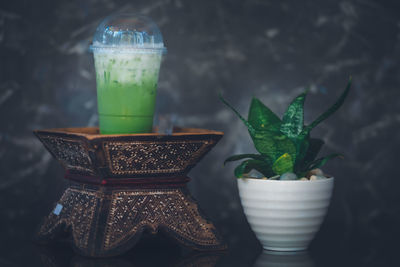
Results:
127 50
126 91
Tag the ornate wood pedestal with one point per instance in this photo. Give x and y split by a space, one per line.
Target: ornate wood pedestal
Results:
122 185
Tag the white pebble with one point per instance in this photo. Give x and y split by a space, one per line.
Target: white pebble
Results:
303 179
289 176
317 177
316 172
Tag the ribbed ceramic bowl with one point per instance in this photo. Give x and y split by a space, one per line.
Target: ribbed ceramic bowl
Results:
285 215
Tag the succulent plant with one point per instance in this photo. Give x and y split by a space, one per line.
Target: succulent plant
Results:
284 145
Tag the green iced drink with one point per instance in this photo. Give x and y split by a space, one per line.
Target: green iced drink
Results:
126 91
127 51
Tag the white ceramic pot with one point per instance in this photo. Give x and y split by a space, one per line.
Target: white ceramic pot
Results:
285 215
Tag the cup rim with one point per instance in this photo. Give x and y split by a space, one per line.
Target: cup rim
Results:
127 49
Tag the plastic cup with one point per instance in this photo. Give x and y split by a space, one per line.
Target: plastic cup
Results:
127 53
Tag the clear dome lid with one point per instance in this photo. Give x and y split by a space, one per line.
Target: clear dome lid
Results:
128 33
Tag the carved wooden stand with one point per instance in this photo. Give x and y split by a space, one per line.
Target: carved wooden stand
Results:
122 185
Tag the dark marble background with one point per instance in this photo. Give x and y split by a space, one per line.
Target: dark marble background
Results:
264 48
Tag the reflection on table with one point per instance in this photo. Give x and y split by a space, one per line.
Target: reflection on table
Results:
166 254
284 259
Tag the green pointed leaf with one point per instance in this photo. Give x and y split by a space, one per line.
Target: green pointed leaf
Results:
249 127
273 144
261 117
322 161
331 110
248 165
307 152
241 169
293 119
302 145
283 164
313 149
244 156
302 140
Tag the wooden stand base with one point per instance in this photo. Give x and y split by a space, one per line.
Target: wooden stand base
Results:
106 221
122 185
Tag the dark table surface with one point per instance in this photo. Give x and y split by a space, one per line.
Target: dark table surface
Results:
160 251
